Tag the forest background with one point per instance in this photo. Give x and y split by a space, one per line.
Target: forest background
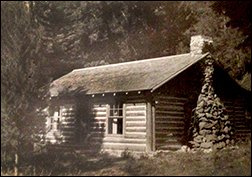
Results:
43 40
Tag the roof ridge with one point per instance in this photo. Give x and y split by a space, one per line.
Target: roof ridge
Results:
129 62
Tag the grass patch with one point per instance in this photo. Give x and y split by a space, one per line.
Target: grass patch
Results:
224 162
231 162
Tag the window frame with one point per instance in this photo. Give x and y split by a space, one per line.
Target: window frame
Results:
123 117
54 123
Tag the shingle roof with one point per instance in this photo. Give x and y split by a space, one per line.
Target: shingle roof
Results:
245 82
147 74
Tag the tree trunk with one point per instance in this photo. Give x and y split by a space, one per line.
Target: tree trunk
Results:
16 172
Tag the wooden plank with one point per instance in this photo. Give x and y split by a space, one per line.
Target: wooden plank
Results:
136 101
148 128
136 104
163 97
170 128
135 113
67 128
136 129
69 119
66 111
170 122
170 112
141 121
162 103
130 128
136 124
67 115
170 138
243 131
124 118
135 133
99 113
168 147
97 127
103 119
135 108
170 133
68 123
123 146
96 139
67 137
170 107
173 126
171 143
137 118
97 134
100 109
136 136
124 140
94 123
98 105
93 129
243 134
168 117
68 134
239 120
153 128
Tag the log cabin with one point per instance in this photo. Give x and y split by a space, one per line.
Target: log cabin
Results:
140 105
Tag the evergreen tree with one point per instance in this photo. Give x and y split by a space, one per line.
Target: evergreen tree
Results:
21 80
231 45
61 37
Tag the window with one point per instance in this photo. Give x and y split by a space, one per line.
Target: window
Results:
115 119
54 119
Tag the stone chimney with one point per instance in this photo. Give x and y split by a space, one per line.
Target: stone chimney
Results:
200 44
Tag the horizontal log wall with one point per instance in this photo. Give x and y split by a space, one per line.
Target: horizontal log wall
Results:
237 115
229 105
242 123
97 122
169 122
68 119
66 131
53 136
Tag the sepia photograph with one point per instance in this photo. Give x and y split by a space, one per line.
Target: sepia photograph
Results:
125 88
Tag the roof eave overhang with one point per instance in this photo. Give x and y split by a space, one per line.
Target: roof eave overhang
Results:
105 92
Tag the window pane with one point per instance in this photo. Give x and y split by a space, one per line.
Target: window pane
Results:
111 112
115 126
120 126
121 112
